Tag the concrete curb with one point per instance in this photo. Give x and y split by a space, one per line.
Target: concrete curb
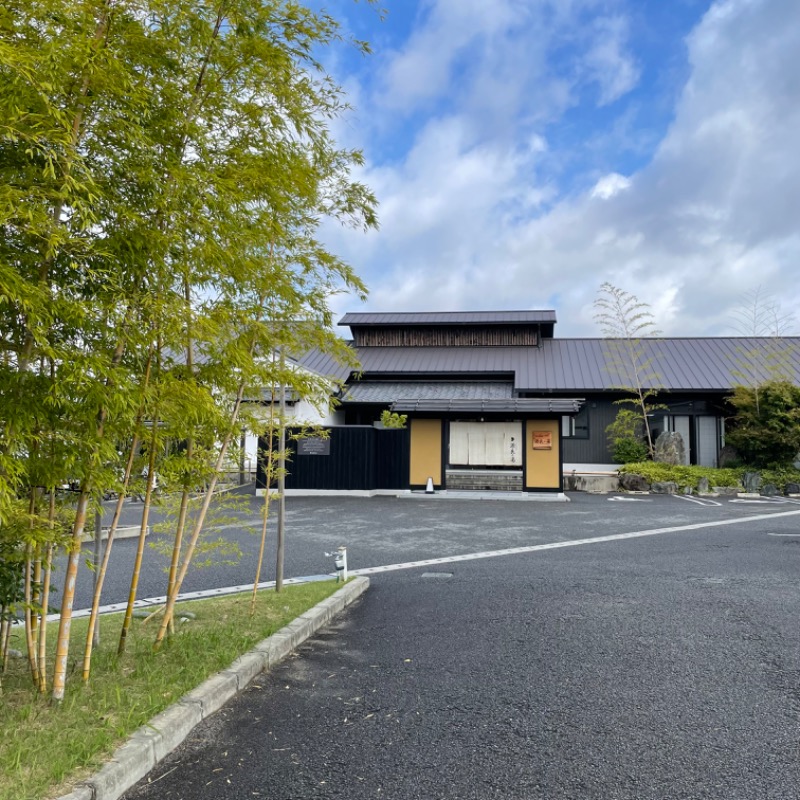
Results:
150 743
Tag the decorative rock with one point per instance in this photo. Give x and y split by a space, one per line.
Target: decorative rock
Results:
631 482
769 490
730 491
792 488
728 456
702 486
664 487
751 481
687 490
670 448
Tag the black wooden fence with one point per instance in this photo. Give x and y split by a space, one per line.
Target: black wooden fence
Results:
350 457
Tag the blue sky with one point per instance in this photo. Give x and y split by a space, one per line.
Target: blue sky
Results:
526 151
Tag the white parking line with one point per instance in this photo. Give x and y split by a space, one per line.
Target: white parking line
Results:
700 501
618 498
616 537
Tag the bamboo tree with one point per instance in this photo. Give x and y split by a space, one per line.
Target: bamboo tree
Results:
625 320
74 546
46 577
137 566
142 144
198 525
121 495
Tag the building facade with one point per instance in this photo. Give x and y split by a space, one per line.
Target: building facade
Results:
495 399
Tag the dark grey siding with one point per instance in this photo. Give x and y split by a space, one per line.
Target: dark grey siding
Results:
593 450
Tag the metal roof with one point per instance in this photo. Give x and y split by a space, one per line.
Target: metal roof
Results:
538 405
325 364
449 318
391 391
672 364
580 365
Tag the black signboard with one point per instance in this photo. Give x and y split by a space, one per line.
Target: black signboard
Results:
313 446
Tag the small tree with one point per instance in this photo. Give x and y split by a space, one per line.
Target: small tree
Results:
624 319
390 419
765 355
766 423
625 436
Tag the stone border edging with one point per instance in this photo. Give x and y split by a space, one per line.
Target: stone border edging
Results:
162 734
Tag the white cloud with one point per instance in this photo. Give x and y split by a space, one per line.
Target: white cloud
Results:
468 220
608 63
610 185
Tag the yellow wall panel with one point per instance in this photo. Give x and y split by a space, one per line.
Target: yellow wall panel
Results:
426 451
543 466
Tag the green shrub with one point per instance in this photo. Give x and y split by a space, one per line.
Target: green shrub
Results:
628 451
654 471
766 427
780 476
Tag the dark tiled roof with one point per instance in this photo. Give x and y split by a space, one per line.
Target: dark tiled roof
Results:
324 364
449 318
581 365
390 391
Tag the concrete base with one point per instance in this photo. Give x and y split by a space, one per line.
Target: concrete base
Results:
455 494
599 483
339 492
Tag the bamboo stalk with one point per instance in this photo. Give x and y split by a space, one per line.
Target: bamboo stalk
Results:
5 632
68 597
281 533
198 525
36 618
268 479
137 566
48 571
101 574
30 647
71 572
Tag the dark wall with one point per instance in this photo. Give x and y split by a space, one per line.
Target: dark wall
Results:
359 457
594 450
602 411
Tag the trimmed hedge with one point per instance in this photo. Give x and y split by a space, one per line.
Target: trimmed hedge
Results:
653 471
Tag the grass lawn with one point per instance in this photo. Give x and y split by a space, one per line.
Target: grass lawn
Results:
45 749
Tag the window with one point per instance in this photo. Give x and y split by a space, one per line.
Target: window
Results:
486 444
576 427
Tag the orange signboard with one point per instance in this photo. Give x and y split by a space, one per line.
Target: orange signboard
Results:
542 440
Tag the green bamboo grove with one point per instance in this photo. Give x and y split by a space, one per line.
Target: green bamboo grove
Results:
165 167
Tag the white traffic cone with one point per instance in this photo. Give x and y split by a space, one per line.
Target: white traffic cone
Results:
429 487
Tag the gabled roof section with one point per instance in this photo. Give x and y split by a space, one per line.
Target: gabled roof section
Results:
672 364
324 364
583 365
450 318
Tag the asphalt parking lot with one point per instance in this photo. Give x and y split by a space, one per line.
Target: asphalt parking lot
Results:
660 665
386 531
